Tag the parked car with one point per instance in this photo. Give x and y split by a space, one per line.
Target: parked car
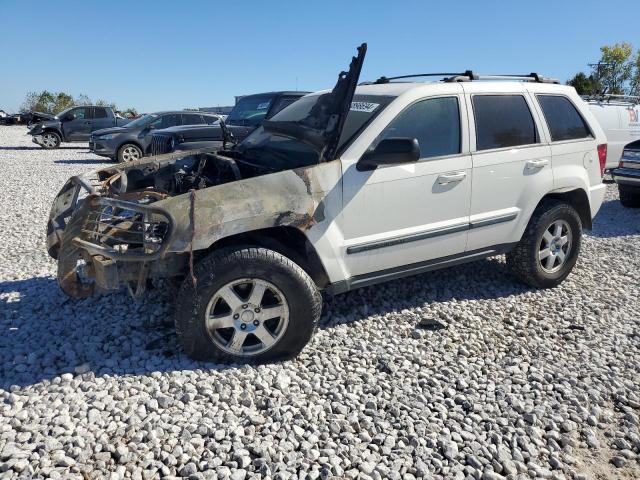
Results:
132 140
619 117
7 119
244 118
342 189
627 175
74 124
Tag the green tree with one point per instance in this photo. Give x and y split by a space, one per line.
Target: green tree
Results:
130 112
83 99
615 68
61 102
634 84
584 85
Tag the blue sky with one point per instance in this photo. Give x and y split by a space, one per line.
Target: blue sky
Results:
159 55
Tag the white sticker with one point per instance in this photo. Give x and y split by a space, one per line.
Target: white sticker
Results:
262 106
366 107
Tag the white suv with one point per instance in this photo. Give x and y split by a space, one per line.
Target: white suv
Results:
342 189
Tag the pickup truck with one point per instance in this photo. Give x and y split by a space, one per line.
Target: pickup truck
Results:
74 124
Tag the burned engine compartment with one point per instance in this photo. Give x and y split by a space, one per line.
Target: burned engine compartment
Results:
179 176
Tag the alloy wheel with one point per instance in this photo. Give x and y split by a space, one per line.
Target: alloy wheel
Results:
555 246
247 317
49 140
130 153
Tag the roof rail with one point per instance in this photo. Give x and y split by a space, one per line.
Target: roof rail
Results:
470 75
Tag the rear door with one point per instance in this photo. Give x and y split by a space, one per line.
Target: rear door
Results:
511 163
77 124
101 119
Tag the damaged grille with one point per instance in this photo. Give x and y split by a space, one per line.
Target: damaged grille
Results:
161 144
125 230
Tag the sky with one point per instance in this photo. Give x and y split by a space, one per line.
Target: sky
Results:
184 54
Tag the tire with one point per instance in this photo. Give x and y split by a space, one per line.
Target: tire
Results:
129 152
288 290
629 196
50 140
540 240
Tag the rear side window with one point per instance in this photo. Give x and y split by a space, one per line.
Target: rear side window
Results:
435 123
564 121
503 121
100 112
191 119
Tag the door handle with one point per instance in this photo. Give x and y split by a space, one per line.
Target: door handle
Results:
533 164
451 177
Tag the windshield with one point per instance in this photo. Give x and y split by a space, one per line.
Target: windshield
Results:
250 111
139 122
61 114
275 151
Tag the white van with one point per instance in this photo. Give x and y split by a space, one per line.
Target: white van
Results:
619 117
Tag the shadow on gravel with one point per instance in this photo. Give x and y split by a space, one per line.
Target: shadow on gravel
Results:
44 334
40 148
482 280
614 220
87 161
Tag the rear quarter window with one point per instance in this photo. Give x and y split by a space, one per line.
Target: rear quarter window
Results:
563 119
503 121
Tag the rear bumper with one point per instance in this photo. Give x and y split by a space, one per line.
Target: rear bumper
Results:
596 197
627 176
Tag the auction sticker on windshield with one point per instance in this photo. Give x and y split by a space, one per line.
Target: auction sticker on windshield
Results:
262 106
367 107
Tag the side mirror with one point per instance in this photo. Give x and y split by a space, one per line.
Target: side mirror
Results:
390 151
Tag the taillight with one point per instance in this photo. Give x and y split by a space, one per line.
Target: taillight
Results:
602 156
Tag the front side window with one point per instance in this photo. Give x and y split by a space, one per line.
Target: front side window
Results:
191 119
503 121
564 121
435 123
80 113
211 120
166 121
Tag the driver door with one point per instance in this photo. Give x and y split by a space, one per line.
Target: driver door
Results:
77 124
401 215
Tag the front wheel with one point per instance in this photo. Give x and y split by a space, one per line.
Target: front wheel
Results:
129 152
249 304
549 248
50 140
629 196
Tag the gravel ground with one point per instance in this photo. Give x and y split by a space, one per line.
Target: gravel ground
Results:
461 373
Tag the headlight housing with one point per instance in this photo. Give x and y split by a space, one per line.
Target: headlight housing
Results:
108 136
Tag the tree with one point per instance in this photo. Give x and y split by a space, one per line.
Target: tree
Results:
584 85
130 112
62 101
634 84
615 68
83 99
104 103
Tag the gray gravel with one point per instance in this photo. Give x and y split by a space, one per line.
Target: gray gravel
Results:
461 373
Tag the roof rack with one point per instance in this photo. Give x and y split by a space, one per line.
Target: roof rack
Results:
468 76
609 97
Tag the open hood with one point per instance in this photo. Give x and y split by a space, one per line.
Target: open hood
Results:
323 125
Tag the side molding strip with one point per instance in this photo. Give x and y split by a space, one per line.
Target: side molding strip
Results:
414 237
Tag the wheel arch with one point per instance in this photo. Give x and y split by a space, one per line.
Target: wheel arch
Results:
286 240
578 199
54 130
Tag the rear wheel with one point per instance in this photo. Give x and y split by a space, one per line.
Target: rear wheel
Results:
129 152
50 140
629 196
549 248
249 304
